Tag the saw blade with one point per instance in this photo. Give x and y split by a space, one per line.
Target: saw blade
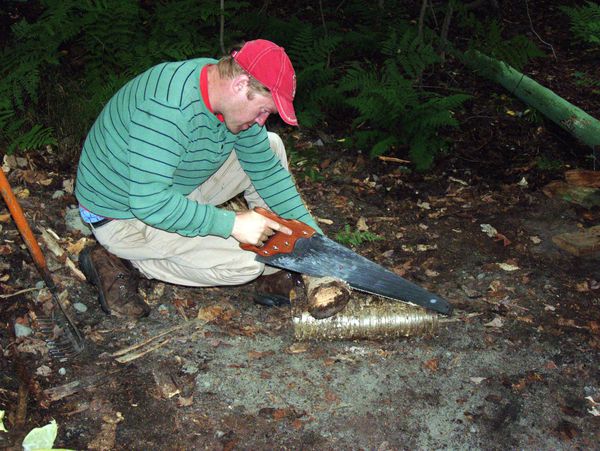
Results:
320 256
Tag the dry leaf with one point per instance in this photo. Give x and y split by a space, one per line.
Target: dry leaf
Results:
297 348
77 247
183 401
361 224
489 230
213 313
5 217
508 267
582 287
477 380
432 365
331 396
496 322
280 414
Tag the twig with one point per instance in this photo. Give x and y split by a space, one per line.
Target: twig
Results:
535 32
446 28
393 159
130 357
16 293
151 339
421 20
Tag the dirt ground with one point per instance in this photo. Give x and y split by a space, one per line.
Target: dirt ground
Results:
514 367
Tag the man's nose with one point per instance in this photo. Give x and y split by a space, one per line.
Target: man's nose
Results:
262 118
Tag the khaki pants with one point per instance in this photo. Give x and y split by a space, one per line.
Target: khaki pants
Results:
199 261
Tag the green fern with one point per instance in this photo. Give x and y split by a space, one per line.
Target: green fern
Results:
585 22
393 113
488 37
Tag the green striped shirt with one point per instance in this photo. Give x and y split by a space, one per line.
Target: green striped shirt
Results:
156 141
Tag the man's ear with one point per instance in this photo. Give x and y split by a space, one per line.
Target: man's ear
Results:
240 83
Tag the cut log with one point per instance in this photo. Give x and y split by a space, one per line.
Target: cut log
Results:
580 195
571 118
325 296
582 177
585 242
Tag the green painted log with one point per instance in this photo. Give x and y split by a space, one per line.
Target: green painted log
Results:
571 118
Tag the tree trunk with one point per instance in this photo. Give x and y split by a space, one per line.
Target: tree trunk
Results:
571 118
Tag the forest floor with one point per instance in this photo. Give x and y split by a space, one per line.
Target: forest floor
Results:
514 367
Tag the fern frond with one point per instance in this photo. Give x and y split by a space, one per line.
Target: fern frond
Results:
585 22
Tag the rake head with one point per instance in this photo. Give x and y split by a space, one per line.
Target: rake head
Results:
62 337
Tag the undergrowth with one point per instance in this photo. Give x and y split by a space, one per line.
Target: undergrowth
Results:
361 67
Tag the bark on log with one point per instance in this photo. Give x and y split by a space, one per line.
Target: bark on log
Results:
571 118
584 242
582 177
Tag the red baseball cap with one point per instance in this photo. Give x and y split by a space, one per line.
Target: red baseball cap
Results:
270 65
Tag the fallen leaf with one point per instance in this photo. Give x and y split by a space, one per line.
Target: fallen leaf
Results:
432 364
500 237
535 239
297 348
361 224
488 230
5 217
496 322
431 273
582 287
331 396
183 401
477 380
280 414
5 249
256 355
508 267
426 247
214 312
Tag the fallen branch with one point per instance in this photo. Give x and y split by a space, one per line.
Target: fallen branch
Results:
571 118
16 293
126 355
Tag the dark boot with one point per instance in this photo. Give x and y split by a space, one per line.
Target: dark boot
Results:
274 290
117 283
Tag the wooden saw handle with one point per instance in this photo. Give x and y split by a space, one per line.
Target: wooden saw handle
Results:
280 243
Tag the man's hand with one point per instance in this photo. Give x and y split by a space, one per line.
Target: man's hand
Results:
253 228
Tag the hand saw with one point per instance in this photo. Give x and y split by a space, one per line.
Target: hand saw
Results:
307 252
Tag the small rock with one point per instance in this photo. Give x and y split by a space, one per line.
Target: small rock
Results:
80 307
22 331
44 371
62 371
74 222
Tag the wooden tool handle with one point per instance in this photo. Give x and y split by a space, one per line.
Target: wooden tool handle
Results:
21 222
280 243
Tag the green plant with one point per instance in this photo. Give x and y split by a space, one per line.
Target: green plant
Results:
392 111
583 79
585 22
355 237
488 36
306 163
544 163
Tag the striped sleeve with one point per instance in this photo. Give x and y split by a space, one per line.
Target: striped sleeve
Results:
272 182
157 140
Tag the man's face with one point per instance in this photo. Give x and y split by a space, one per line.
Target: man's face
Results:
245 111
